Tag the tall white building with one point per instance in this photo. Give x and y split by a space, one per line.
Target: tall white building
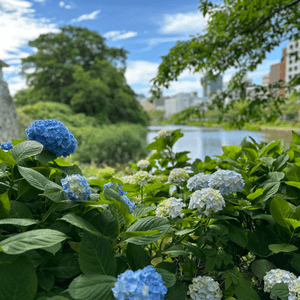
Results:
292 66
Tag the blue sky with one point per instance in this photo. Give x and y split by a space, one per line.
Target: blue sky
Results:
147 29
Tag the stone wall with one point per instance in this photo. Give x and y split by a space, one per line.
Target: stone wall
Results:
9 123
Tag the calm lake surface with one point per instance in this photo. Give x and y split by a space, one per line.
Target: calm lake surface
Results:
205 141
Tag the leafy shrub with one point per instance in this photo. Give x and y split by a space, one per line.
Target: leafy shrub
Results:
54 248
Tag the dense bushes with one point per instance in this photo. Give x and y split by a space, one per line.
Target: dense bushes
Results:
115 143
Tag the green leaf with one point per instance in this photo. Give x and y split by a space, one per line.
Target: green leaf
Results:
195 250
139 233
19 210
67 266
269 147
96 255
293 172
80 222
137 257
141 210
6 157
168 277
292 222
177 292
261 266
92 287
19 222
171 267
105 223
45 156
246 292
237 235
53 249
256 194
68 170
280 162
296 138
55 192
35 178
18 280
276 176
110 193
293 183
280 209
281 290
149 224
26 149
295 261
46 280
34 239
4 205
276 248
271 188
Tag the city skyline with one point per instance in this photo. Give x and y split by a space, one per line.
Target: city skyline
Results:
147 32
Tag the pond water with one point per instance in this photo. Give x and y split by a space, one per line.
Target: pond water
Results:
205 141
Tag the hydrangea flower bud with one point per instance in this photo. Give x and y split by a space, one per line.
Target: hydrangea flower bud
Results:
143 164
161 178
142 284
178 176
6 146
53 135
198 182
278 276
76 187
204 287
170 206
165 133
207 201
141 178
226 181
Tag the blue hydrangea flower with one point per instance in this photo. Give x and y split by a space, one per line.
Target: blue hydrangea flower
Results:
198 182
53 135
76 187
130 203
6 146
121 192
226 181
144 284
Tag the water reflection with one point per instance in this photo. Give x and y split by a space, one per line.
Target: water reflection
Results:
201 141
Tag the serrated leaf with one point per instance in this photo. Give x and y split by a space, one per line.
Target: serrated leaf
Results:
141 210
177 292
261 266
281 290
276 248
149 224
256 194
96 255
137 256
26 149
168 277
6 157
18 280
45 156
139 233
81 223
19 222
34 239
92 286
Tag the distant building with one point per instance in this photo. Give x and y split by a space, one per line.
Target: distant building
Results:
266 80
159 103
148 106
211 87
278 72
292 66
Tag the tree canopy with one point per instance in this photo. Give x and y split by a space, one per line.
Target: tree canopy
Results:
77 68
239 33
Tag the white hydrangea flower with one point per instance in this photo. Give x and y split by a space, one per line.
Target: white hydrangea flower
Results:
204 287
168 154
198 181
207 201
164 133
294 288
127 179
178 176
143 164
141 178
226 181
171 206
278 276
161 178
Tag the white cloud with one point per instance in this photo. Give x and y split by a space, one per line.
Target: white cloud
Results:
118 35
91 16
189 23
68 6
39 1
16 84
140 71
61 4
18 25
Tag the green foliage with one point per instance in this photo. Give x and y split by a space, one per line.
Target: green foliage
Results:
75 67
54 248
238 35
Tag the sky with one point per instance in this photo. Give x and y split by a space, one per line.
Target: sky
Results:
147 29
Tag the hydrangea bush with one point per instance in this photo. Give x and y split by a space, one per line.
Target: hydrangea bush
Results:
223 228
